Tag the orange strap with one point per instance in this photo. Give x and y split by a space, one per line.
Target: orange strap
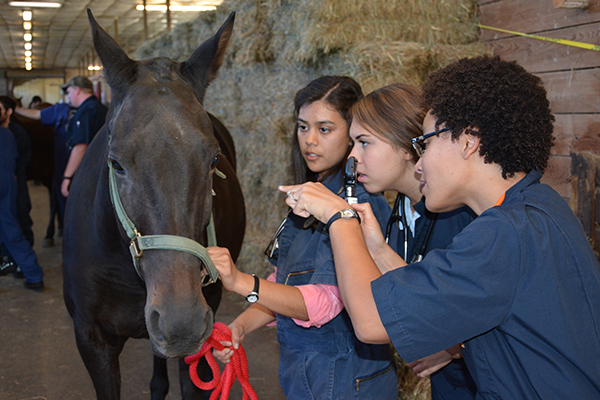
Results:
500 200
237 368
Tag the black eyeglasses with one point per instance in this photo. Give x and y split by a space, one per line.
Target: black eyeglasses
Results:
419 144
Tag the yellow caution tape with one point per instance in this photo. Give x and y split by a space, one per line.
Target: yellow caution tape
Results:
586 46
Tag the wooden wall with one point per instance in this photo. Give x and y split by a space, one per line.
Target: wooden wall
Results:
571 75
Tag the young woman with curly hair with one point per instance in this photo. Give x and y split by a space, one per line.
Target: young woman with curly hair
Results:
519 287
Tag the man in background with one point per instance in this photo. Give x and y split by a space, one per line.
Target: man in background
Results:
84 125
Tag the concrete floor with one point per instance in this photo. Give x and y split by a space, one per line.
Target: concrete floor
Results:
38 356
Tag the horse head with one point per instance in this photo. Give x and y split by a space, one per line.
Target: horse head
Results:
164 154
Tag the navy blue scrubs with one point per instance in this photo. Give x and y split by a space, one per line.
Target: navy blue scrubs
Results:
10 231
327 362
453 382
520 287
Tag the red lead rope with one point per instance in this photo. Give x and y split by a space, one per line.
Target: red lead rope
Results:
237 367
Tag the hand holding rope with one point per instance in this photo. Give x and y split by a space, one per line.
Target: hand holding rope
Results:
237 368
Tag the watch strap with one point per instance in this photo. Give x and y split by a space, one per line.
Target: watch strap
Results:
338 215
252 297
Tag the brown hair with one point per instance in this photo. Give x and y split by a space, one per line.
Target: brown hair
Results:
340 92
393 113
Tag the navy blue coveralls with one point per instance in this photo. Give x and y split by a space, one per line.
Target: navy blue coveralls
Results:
10 231
520 287
453 382
327 362
58 116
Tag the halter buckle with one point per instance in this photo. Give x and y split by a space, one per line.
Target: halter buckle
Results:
134 245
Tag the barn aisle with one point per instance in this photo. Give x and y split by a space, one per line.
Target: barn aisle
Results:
38 356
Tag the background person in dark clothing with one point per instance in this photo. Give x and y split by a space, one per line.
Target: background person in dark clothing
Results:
58 117
10 231
84 125
23 140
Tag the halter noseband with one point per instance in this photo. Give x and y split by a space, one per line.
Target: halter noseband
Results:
140 243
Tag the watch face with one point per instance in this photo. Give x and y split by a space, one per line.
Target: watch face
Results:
347 213
252 298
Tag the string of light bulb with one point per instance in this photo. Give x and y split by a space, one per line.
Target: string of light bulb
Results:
28 37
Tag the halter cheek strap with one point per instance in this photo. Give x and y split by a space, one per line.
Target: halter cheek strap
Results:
140 243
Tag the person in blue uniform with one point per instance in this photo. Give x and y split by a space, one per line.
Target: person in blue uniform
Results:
320 356
23 202
519 287
84 125
383 124
58 117
10 231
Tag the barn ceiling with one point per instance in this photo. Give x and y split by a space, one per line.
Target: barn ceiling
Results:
61 36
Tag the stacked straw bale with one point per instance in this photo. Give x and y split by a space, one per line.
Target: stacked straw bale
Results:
279 46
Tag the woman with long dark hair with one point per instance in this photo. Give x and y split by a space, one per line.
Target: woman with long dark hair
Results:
320 356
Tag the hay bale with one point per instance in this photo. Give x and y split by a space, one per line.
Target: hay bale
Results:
376 64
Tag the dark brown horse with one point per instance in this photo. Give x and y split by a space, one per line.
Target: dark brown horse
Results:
163 150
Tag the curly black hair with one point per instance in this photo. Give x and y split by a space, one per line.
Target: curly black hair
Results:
498 101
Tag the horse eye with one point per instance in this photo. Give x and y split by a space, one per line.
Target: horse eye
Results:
214 162
117 166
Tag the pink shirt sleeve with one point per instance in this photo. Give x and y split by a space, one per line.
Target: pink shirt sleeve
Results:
273 278
323 303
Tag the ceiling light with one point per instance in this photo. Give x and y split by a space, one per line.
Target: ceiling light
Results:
94 68
41 4
27 15
27 53
27 59
28 66
28 46
157 7
27 37
27 25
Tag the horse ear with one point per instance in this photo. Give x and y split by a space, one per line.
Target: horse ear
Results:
202 66
118 68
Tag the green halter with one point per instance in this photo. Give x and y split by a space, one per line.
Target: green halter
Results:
140 243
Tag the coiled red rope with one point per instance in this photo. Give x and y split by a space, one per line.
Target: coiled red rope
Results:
236 368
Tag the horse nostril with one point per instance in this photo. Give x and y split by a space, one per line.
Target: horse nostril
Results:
154 326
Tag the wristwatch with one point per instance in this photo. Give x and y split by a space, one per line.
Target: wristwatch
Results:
346 213
252 297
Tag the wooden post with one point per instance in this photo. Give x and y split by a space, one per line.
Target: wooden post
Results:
585 193
145 22
168 15
116 29
571 3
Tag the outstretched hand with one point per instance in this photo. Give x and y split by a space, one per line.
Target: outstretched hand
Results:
313 199
430 364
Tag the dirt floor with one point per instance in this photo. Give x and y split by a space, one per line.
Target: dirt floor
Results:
38 356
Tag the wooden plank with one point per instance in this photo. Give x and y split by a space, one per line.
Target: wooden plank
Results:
571 3
573 91
583 194
541 56
558 175
532 16
576 133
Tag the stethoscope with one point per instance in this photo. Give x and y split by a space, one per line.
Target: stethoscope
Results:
398 216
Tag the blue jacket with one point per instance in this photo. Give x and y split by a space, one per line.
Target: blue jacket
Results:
520 287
